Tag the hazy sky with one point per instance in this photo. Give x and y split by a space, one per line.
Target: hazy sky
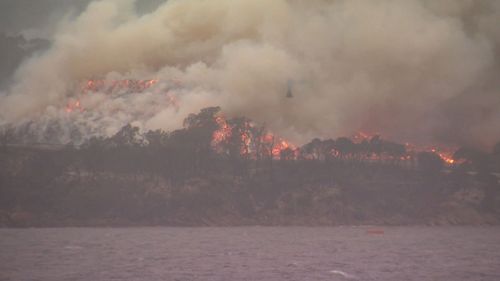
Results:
37 18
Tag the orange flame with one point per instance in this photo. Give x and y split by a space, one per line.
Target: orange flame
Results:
280 146
74 106
112 86
445 153
446 156
223 133
273 145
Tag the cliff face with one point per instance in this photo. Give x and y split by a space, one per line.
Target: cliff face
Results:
305 193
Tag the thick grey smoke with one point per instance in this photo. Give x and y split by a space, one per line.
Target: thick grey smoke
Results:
411 70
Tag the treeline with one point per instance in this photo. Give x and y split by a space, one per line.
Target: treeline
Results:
208 139
206 144
217 168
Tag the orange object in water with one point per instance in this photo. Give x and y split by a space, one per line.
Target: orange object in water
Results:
375 231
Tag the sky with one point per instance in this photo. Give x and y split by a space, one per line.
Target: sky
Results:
38 18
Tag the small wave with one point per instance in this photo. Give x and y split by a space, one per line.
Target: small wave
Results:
70 247
343 274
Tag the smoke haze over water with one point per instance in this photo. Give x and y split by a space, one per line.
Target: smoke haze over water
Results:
423 71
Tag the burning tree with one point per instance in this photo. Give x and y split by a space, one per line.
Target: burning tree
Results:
239 137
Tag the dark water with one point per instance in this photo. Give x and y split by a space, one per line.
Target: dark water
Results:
252 253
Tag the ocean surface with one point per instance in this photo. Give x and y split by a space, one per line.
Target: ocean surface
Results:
251 253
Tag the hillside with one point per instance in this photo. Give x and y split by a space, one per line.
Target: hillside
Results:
190 178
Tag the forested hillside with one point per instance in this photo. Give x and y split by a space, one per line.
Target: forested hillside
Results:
232 172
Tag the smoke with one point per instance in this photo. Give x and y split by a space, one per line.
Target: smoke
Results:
424 71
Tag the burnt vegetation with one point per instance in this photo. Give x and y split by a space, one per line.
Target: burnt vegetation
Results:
232 172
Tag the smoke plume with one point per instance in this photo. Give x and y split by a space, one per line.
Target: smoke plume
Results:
423 71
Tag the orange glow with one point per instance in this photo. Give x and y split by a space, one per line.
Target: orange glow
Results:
446 156
113 86
223 133
280 146
246 140
99 85
172 100
269 144
73 106
361 136
445 153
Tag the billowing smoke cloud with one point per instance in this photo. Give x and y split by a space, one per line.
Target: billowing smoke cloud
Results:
411 70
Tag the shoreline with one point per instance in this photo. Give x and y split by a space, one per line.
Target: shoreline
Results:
203 224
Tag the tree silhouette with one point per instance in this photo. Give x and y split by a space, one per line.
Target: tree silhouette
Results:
476 159
430 164
345 147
